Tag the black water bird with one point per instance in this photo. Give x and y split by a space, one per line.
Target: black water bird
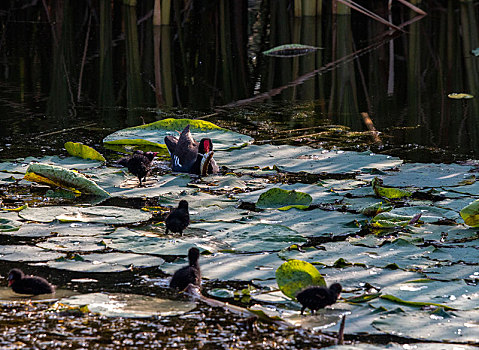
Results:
188 274
315 298
189 156
178 219
139 164
24 284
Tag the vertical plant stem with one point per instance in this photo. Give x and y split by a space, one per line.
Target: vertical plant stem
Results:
85 49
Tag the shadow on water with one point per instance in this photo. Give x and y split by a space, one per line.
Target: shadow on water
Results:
78 70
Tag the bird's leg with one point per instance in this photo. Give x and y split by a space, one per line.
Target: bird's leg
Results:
302 309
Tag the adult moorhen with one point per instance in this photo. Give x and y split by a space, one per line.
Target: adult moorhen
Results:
189 156
139 164
24 284
188 274
315 298
178 219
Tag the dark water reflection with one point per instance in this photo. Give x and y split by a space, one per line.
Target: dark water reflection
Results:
97 69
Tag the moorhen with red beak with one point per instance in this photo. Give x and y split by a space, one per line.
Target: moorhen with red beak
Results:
315 298
188 274
24 284
178 219
139 164
189 156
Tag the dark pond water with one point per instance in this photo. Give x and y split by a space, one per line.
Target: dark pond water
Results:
74 72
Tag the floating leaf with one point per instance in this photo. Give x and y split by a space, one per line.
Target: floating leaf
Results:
63 177
283 199
223 139
294 275
366 297
375 209
98 214
413 303
7 225
129 305
83 151
290 50
221 293
460 96
388 192
470 214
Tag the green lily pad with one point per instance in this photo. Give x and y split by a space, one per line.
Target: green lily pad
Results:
388 192
73 244
279 198
223 139
129 305
304 159
83 151
26 253
98 214
106 262
8 225
290 50
294 275
461 327
470 214
459 96
63 177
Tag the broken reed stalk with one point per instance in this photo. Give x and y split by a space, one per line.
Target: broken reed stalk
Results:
412 7
370 125
341 331
369 13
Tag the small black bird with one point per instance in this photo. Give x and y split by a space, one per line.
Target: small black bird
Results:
23 284
139 164
188 274
178 219
315 298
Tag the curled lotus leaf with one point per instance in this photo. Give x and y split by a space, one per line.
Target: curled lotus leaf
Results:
294 275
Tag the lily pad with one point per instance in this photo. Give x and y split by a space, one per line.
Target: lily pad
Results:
63 177
223 139
7 225
459 327
98 214
283 199
129 305
83 151
304 159
105 262
460 95
290 50
294 275
26 253
470 214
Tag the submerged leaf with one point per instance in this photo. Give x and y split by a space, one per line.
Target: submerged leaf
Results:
83 151
294 275
65 178
290 50
283 199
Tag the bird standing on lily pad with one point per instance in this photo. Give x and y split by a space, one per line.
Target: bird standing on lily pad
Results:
178 219
139 164
189 156
315 298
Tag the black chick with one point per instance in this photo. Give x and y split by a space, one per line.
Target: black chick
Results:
315 298
188 274
178 219
23 284
139 164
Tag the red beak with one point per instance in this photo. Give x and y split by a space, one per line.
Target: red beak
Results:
10 282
